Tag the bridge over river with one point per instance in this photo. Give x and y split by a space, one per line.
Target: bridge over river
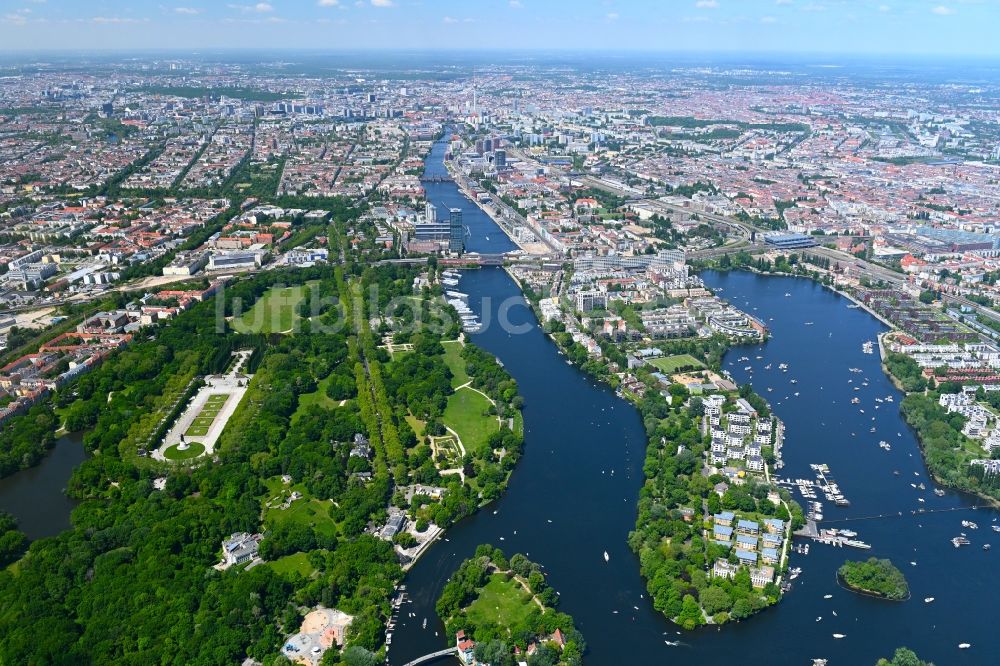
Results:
433 656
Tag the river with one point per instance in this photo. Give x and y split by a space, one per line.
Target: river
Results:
36 496
582 470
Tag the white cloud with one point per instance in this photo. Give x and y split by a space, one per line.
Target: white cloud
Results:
328 3
114 20
884 8
18 17
187 11
782 2
942 10
612 16
515 4
450 19
768 19
256 21
707 4
259 8
383 3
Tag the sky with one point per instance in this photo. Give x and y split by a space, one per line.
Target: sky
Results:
943 27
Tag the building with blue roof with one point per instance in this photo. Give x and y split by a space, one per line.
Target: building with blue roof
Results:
784 241
774 525
724 518
746 556
723 535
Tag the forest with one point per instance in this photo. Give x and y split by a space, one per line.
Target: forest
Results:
876 577
131 582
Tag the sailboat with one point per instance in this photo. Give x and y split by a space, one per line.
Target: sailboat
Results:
606 556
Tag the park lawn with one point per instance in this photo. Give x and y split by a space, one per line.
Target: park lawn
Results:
466 415
670 364
416 425
307 510
501 602
317 397
202 423
453 359
194 450
518 422
294 563
274 312
197 430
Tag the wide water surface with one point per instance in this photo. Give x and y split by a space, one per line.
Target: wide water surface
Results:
582 469
36 496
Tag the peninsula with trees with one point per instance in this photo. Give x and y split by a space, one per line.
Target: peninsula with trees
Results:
501 612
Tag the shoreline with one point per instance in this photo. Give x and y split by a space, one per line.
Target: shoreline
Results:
844 585
989 500
634 400
490 214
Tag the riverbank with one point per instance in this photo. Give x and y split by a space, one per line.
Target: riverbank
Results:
538 248
584 454
504 609
832 287
677 459
935 474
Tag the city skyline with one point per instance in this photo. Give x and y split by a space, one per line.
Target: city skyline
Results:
885 27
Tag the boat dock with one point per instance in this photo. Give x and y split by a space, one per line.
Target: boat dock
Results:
824 483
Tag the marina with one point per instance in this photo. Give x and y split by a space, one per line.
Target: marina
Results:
460 301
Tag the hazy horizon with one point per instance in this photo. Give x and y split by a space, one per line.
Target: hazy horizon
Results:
955 28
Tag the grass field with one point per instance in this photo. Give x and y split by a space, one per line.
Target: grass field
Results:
307 511
670 364
295 563
193 451
453 358
416 425
317 397
502 602
466 415
274 312
202 423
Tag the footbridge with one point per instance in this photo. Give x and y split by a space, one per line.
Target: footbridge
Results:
433 656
